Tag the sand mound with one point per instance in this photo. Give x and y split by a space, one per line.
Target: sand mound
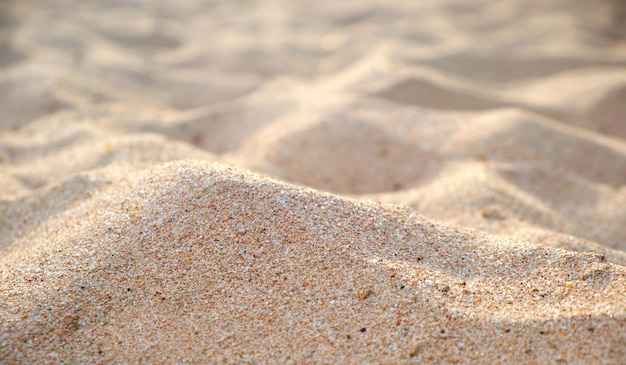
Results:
215 263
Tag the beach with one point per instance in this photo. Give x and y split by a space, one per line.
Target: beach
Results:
313 182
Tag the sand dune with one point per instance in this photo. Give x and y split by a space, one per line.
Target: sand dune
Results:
312 182
213 262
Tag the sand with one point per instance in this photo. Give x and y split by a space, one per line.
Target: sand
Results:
313 182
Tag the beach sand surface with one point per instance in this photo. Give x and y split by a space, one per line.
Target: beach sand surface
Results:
313 182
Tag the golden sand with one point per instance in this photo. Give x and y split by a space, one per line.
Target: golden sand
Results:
286 182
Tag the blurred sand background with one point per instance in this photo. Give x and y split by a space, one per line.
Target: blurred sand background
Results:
312 181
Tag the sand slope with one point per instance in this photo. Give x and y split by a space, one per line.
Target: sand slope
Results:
245 182
196 260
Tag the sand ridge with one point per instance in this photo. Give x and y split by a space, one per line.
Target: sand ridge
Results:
216 256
